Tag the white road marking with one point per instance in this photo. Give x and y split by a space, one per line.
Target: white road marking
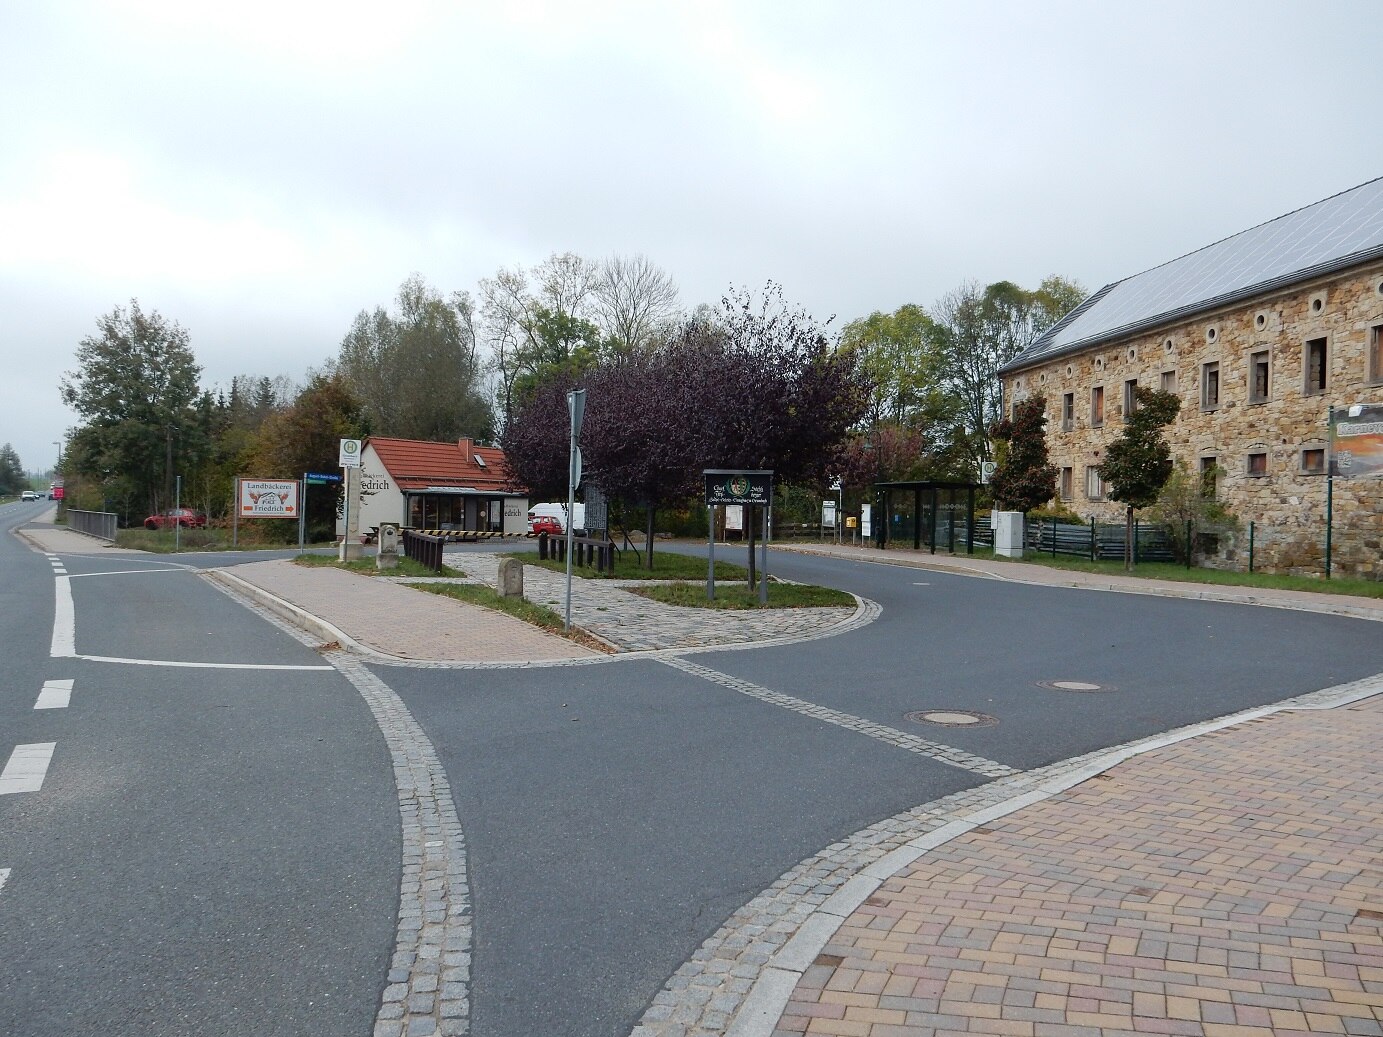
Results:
64 622
198 666
4 877
27 767
127 572
55 695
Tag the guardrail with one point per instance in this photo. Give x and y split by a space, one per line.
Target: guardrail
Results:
99 524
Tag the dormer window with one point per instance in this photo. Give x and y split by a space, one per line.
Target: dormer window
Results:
480 460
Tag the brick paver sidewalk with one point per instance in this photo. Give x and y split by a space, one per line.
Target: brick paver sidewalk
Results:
404 622
1230 885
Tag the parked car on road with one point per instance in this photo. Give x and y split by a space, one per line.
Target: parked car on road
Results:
188 518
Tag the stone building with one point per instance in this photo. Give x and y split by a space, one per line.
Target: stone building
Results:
1260 335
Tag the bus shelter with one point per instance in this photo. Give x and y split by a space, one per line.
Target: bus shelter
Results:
929 514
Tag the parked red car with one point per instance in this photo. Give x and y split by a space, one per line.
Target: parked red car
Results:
545 524
188 518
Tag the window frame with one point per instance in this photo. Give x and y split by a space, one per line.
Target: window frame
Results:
1097 416
1313 448
1249 472
1068 411
1095 480
1210 466
1261 355
1208 368
1373 356
1130 397
1306 349
1168 381
1066 488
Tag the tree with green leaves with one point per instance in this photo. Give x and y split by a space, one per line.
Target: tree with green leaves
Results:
1139 462
1025 479
12 477
979 329
415 370
136 390
305 436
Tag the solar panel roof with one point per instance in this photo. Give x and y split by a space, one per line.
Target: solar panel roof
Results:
1333 234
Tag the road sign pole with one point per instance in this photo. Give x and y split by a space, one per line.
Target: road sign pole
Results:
302 513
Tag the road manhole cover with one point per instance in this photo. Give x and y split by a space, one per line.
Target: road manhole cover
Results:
952 718
1081 686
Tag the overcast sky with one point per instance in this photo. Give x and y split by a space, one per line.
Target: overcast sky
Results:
260 172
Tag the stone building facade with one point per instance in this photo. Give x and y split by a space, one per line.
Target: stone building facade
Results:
1257 367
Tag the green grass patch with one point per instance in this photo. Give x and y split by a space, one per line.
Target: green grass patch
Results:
667 565
739 596
1178 573
161 541
366 566
1221 577
519 608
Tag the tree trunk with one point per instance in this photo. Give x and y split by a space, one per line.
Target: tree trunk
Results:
648 561
1128 539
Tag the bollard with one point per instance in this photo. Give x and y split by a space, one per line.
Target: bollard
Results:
510 584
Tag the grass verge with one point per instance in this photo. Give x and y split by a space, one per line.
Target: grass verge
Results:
666 566
738 596
1180 574
366 566
519 608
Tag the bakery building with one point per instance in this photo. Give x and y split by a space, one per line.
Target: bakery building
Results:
458 487
1262 335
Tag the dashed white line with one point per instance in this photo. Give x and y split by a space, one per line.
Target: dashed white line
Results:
949 755
27 768
64 621
4 877
55 695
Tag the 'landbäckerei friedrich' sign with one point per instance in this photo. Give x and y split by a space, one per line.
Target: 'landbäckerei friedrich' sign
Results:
725 486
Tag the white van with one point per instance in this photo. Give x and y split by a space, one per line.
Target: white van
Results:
552 518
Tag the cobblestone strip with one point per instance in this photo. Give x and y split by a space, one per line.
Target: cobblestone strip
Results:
428 988
737 982
899 739
430 974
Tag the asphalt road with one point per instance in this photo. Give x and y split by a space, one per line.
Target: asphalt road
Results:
212 850
216 850
616 815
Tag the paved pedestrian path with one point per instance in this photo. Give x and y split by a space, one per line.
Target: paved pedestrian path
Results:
1228 886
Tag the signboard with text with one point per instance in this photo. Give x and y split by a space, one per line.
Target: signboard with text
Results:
267 498
1356 441
350 453
725 486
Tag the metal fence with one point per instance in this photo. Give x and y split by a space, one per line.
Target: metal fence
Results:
100 524
424 549
1098 541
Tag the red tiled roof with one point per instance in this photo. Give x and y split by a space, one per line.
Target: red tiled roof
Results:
416 465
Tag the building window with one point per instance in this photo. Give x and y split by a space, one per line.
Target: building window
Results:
1066 480
1210 385
1258 464
1094 485
1258 377
1097 406
1210 477
1130 397
1317 365
1313 460
1169 381
1068 411
1376 354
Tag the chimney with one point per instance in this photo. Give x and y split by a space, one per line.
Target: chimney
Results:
467 453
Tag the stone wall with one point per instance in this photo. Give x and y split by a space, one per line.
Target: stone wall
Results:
1263 448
